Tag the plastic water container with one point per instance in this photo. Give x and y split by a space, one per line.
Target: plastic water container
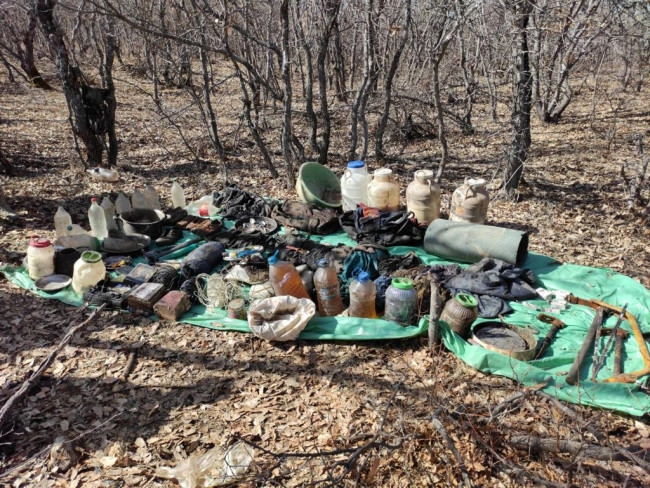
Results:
354 185
285 279
401 302
383 191
97 220
122 203
76 230
423 197
328 293
151 197
138 200
109 213
363 294
104 174
88 271
178 195
469 203
62 220
40 258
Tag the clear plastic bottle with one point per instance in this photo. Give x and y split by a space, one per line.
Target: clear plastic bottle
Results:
122 203
62 220
328 293
138 200
362 297
40 258
203 207
104 174
97 220
401 302
178 195
109 213
151 197
285 279
88 271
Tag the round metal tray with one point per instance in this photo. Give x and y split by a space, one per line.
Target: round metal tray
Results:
511 340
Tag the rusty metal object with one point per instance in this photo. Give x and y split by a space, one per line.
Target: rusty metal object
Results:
600 360
638 336
574 373
507 339
556 324
621 335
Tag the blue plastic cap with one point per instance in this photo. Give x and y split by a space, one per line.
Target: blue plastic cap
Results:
363 276
273 259
356 164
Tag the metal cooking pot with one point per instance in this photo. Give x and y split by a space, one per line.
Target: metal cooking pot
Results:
141 221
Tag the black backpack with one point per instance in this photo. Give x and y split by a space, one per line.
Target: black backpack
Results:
386 229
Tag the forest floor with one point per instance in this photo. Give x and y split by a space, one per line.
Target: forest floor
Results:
325 412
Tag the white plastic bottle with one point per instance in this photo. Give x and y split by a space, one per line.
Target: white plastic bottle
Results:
354 185
40 258
122 203
104 174
178 195
151 197
62 220
138 200
109 213
97 220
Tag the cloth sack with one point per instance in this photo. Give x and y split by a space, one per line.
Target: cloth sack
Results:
280 318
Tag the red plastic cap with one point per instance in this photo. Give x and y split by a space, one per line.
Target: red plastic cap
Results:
39 242
93 199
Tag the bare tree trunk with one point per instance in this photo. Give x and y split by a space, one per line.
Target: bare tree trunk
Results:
442 137
87 104
26 51
287 131
106 71
520 145
388 85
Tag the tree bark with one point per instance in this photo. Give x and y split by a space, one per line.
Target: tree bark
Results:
287 131
521 104
388 85
26 53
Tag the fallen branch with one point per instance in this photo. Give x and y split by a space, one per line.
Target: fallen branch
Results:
130 363
31 381
575 448
437 424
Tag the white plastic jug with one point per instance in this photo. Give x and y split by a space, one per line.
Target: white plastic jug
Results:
138 200
423 197
383 191
178 195
354 185
151 197
88 271
97 220
103 174
62 220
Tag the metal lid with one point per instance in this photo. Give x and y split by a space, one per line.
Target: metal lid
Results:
356 164
39 242
402 283
91 256
323 263
466 300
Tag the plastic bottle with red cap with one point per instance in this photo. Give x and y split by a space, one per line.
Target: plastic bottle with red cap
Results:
40 258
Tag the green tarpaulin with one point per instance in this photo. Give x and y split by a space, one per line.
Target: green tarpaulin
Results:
582 281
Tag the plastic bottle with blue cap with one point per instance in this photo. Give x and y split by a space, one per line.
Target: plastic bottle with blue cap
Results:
285 279
363 294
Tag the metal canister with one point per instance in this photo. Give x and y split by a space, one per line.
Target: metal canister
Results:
237 309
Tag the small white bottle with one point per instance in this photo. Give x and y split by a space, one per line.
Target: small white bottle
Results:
178 195
62 220
151 197
122 203
109 213
97 220
138 200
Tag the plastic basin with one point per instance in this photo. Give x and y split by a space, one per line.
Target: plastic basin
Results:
318 185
